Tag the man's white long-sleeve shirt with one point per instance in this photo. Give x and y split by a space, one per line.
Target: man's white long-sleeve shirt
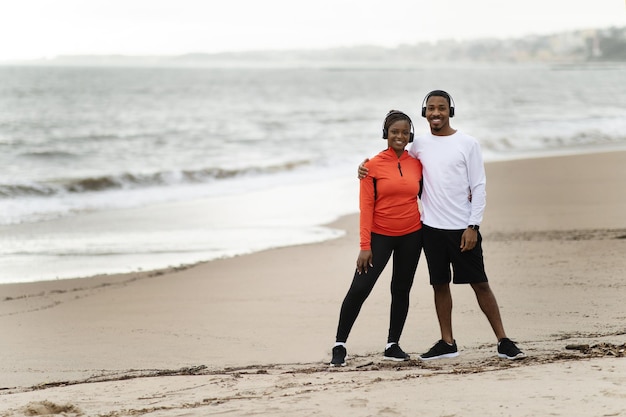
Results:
452 169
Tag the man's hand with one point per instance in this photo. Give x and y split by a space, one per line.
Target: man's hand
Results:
362 171
363 261
469 239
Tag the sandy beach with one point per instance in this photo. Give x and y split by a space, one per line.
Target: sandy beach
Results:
252 335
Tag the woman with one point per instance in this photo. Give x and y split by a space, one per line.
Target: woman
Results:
389 224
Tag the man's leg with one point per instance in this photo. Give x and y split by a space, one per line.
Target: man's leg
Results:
443 306
489 306
437 246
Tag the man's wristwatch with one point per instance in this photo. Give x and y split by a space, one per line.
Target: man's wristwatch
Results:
474 227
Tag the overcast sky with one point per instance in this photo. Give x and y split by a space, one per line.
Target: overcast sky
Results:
32 29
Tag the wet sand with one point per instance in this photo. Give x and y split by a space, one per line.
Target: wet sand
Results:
252 335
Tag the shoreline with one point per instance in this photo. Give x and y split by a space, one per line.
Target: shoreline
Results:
92 242
252 334
501 192
175 233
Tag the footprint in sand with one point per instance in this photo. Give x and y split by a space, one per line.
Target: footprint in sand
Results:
357 402
48 408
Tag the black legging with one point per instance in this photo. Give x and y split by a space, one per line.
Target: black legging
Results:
406 251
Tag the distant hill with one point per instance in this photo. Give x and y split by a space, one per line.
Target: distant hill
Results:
581 46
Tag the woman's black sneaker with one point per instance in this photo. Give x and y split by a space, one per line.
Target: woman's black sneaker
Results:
339 356
394 353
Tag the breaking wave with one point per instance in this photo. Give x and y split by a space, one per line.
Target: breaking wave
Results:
137 180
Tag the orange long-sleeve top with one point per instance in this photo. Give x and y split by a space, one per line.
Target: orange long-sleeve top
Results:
388 196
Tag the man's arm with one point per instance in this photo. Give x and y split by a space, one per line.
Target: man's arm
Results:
477 198
362 171
469 239
478 185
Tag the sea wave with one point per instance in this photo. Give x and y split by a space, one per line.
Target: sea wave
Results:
591 138
130 180
47 154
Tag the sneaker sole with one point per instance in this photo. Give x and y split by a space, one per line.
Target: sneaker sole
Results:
445 355
505 356
391 358
336 365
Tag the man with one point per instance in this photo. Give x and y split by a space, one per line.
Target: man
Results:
453 169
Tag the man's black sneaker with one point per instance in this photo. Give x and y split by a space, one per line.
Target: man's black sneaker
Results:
507 349
440 350
339 356
394 353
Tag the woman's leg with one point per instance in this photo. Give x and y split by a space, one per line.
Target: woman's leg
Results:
406 255
362 285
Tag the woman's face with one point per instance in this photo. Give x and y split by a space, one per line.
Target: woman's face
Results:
398 135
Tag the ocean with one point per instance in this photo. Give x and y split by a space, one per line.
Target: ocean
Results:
109 170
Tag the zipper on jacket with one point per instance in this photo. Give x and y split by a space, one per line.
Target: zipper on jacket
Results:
400 169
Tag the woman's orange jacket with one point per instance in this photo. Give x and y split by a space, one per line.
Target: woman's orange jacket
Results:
388 196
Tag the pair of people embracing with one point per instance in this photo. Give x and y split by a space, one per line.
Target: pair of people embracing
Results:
448 165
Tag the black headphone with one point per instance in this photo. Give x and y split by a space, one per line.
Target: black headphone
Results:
439 93
391 113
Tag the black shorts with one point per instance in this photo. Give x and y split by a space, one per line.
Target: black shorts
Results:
442 249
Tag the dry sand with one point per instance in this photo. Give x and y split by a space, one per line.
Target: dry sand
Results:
252 335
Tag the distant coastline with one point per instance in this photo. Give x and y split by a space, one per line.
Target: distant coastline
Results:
605 45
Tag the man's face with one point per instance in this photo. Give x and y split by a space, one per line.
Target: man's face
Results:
437 113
